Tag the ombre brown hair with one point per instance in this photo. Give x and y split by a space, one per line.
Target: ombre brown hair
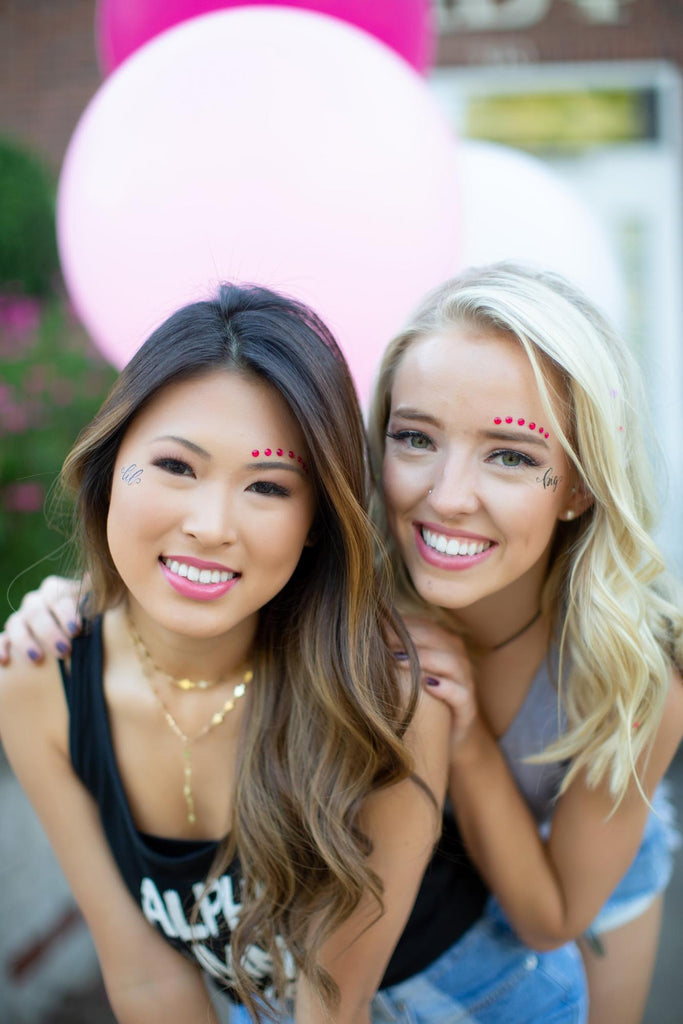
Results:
327 716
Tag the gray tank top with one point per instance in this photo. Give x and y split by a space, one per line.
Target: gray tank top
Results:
536 726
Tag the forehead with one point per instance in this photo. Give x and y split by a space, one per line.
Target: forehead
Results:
486 364
222 404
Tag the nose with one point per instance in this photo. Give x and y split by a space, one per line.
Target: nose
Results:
454 489
210 517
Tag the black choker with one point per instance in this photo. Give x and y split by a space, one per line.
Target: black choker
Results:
519 632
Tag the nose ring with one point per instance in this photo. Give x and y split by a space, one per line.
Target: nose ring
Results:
430 490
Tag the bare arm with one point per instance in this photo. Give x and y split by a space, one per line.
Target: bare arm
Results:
403 825
147 981
550 890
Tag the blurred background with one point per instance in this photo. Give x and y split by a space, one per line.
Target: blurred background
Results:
566 117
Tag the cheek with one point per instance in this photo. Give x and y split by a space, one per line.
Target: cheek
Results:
400 484
135 511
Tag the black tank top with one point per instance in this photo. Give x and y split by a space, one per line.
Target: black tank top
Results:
166 876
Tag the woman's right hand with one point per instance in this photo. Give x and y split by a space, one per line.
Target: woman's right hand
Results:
44 623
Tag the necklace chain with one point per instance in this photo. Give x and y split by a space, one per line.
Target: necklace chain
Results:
217 718
519 632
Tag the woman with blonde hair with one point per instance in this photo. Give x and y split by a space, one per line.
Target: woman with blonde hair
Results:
517 495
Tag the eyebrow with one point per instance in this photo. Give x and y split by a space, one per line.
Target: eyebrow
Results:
270 464
523 437
190 445
519 436
198 450
416 414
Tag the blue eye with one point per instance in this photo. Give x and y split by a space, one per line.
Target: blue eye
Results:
511 459
269 487
414 439
177 467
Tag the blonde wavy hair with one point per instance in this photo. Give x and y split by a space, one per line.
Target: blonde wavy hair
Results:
617 615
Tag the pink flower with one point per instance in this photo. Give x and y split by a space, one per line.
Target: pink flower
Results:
23 497
14 419
19 314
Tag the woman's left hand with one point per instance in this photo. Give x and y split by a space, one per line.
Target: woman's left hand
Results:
446 673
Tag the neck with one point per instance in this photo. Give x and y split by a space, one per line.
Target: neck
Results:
180 654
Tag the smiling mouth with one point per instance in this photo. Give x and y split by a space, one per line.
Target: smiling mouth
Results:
451 545
196 575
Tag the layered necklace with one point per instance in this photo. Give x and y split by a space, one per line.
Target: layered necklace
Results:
149 669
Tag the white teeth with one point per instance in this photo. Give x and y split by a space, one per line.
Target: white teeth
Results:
453 546
191 572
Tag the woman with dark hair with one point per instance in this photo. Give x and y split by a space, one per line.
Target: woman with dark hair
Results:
231 769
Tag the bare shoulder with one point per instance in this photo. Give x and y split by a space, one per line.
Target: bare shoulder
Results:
671 727
32 703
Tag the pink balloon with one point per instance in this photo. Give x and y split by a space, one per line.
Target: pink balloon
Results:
121 26
258 144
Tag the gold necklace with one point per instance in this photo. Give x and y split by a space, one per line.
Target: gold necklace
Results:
146 658
217 717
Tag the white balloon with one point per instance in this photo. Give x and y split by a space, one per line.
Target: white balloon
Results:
513 206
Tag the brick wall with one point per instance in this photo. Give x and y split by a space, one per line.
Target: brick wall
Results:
49 71
560 30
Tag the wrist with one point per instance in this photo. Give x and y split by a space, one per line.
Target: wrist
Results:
473 747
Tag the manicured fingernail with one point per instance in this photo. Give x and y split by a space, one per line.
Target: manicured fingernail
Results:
431 681
72 627
62 647
400 655
33 654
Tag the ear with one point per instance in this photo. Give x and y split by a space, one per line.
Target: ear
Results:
580 499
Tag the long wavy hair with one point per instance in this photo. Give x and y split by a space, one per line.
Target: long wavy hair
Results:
327 716
617 614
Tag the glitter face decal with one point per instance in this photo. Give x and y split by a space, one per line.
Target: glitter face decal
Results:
280 452
131 474
520 423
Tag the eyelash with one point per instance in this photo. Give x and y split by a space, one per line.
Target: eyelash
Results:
268 487
407 436
176 467
525 460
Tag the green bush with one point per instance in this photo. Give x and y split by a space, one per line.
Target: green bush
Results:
51 383
29 264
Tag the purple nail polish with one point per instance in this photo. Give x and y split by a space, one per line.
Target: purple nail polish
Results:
400 655
72 627
431 681
33 654
62 647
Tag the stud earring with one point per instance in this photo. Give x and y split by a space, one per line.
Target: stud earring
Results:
569 515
